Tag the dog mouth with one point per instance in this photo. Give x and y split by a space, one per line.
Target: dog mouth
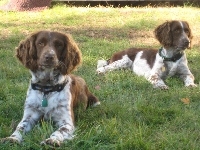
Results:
49 66
48 63
181 48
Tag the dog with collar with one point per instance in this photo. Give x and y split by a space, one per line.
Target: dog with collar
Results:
156 65
53 92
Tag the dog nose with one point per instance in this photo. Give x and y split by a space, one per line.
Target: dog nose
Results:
49 56
187 42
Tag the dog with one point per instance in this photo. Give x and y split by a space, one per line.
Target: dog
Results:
156 65
53 92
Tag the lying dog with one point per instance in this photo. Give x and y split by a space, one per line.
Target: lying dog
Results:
156 65
53 91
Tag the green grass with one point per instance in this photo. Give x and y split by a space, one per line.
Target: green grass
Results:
132 114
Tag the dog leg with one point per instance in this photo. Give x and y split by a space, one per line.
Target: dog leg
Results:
125 62
65 130
156 71
186 75
157 82
101 63
188 80
57 138
28 121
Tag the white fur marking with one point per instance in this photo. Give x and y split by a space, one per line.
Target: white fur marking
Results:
125 62
181 24
156 74
33 111
101 63
140 66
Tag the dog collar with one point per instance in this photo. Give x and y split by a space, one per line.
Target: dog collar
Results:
48 89
174 58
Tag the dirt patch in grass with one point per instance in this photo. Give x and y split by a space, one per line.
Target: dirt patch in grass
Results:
26 5
135 37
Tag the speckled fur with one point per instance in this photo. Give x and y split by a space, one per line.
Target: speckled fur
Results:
174 36
50 57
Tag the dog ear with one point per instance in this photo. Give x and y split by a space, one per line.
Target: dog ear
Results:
190 36
26 52
163 34
71 56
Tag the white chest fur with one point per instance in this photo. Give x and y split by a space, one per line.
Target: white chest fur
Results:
56 100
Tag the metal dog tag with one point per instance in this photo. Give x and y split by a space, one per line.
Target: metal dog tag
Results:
44 102
163 68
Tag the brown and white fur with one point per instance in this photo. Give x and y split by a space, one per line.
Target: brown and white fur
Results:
51 57
174 36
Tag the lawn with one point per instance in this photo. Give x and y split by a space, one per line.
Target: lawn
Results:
132 115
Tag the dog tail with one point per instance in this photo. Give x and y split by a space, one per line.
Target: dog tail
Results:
92 100
102 63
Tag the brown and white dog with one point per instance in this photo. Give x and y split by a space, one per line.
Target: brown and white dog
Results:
53 92
155 65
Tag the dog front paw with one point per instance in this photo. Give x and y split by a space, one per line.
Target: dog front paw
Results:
10 139
51 142
191 85
162 87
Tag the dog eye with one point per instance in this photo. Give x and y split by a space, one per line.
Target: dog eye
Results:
41 44
186 31
177 31
58 44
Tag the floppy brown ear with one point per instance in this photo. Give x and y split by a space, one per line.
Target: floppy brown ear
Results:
26 52
71 56
190 36
163 34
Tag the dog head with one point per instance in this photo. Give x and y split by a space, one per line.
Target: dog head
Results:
174 34
49 50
